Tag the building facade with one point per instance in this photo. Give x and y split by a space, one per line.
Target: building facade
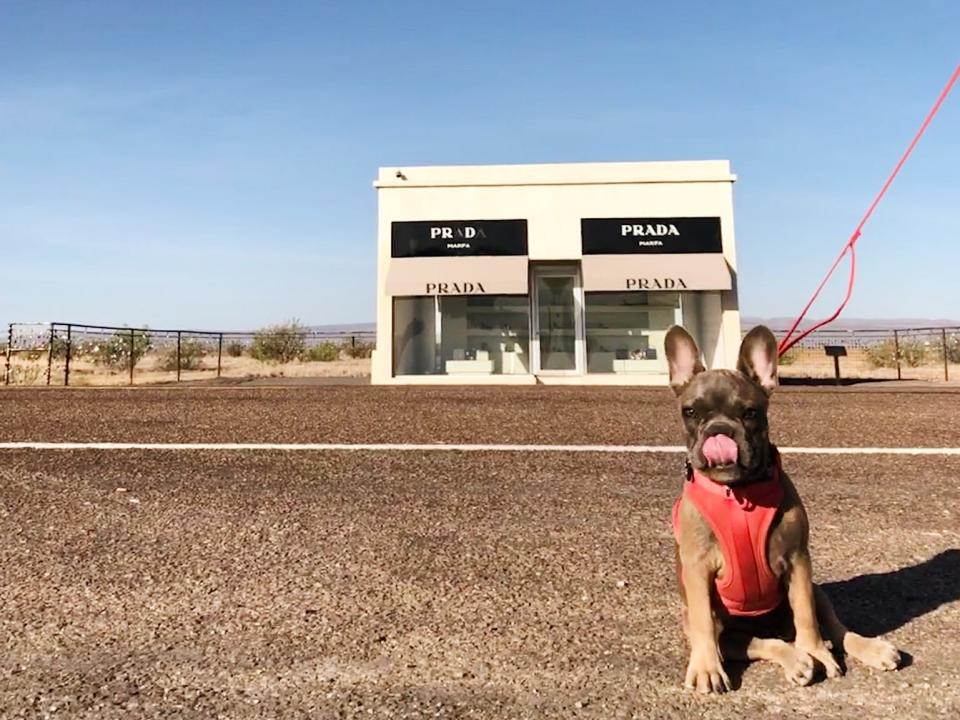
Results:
568 273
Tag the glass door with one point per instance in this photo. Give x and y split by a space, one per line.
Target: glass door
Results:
558 321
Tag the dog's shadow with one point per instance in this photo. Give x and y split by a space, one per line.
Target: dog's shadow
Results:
880 603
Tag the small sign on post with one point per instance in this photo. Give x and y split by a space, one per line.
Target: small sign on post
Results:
836 352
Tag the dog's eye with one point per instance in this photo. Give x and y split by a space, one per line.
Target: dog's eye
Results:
750 414
689 412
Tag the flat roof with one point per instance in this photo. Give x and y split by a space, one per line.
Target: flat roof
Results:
680 171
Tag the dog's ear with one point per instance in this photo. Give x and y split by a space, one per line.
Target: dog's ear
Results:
758 358
683 358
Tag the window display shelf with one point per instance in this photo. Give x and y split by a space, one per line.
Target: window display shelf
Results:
638 366
493 332
606 362
499 310
618 332
625 309
469 367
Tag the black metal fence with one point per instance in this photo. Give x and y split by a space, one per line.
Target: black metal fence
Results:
77 353
923 353
61 353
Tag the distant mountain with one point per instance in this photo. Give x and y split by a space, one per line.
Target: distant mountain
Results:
747 322
783 323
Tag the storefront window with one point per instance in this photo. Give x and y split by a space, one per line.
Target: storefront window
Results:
478 335
414 335
626 330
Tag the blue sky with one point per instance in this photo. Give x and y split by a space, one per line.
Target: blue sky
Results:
209 164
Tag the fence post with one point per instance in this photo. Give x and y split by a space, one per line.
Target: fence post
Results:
132 348
943 338
896 351
178 356
353 341
66 366
6 368
50 353
219 354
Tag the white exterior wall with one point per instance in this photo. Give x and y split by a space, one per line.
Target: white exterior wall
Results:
553 199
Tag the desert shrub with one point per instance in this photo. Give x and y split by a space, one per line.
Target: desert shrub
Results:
280 343
34 352
324 352
30 374
191 355
235 348
79 346
953 349
114 351
360 349
789 357
60 347
913 353
881 354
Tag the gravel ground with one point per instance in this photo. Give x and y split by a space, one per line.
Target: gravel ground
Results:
483 585
800 416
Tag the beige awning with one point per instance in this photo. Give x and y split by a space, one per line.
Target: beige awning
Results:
688 271
477 275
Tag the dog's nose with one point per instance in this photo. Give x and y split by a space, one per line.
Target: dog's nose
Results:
719 428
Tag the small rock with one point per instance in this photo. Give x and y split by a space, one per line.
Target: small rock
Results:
622 583
120 489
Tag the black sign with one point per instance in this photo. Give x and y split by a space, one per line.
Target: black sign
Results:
453 238
622 236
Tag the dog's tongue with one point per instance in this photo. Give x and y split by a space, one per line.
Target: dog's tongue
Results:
720 450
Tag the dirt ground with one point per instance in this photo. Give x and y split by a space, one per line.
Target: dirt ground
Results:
813 363
218 584
151 370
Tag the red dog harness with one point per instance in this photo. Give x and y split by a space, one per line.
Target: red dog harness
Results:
740 518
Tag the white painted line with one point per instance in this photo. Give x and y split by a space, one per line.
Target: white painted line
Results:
321 447
868 451
457 447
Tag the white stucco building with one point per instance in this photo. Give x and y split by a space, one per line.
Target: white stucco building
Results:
568 273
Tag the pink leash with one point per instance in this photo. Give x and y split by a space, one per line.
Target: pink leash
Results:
850 247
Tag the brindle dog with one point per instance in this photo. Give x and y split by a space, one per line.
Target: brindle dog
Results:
735 404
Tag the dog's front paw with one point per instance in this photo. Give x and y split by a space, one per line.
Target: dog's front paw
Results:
705 672
822 654
872 652
797 666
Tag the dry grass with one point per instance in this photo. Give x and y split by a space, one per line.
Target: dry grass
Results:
150 371
814 363
26 371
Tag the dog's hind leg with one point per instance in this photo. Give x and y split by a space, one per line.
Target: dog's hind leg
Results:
872 652
797 665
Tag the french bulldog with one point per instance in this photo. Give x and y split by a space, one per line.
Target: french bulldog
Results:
743 559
